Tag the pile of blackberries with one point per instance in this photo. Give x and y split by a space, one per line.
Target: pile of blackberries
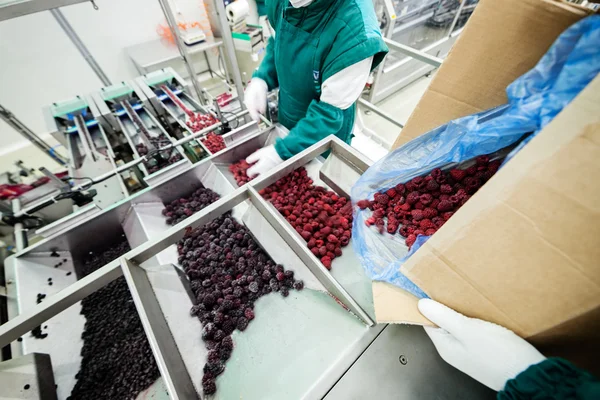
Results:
228 272
180 209
117 362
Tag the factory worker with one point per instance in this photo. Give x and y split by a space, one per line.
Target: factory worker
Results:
501 360
320 59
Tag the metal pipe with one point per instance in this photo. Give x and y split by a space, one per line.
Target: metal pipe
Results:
379 112
8 117
62 21
414 53
457 16
230 49
172 22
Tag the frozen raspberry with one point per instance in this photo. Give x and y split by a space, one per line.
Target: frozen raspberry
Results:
482 161
418 182
494 166
426 224
432 186
430 231
446 189
280 276
410 240
378 214
458 174
429 213
471 170
400 188
417 215
391 193
426 198
383 199
436 172
445 205
326 261
446 216
362 204
392 228
413 197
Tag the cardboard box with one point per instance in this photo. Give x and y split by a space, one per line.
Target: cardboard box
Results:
502 40
524 252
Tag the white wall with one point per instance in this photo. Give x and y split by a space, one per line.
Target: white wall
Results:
39 64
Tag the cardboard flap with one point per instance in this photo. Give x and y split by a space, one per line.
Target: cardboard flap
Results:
524 252
502 40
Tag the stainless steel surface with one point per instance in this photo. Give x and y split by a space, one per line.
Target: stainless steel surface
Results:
32 371
168 358
230 50
307 338
76 40
18 8
20 127
457 16
379 111
172 22
65 223
414 53
402 363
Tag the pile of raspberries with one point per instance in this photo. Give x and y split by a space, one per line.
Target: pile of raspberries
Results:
213 142
422 205
238 170
320 216
228 272
180 209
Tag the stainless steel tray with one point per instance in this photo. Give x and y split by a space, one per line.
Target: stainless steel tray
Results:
297 347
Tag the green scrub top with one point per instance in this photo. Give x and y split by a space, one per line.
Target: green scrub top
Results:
312 44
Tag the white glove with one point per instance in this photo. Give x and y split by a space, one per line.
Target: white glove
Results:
265 159
488 353
255 98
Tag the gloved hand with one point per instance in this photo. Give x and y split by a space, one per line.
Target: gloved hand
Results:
255 98
488 353
265 159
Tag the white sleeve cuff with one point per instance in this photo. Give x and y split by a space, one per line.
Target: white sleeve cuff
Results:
341 90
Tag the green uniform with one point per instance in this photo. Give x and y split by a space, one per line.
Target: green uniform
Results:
313 43
553 378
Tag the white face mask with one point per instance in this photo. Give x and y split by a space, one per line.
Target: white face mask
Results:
300 3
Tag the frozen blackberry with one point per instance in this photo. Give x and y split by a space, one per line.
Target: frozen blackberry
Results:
209 387
253 287
214 368
299 285
285 292
242 323
227 343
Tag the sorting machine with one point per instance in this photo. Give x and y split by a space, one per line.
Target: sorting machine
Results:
321 342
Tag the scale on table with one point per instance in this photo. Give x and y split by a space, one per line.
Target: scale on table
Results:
193 36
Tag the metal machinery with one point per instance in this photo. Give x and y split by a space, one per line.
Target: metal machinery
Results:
429 26
313 346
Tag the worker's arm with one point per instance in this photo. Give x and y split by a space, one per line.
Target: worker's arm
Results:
501 360
266 70
553 378
325 116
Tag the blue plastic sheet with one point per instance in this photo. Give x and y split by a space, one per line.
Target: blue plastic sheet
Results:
535 99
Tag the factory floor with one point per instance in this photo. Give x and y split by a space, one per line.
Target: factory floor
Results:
400 106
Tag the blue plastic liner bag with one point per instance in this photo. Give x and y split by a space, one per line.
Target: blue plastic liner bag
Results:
534 99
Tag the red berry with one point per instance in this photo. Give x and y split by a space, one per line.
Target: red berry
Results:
362 204
445 205
446 189
410 240
417 214
458 174
326 261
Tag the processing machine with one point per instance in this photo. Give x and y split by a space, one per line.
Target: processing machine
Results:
321 342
